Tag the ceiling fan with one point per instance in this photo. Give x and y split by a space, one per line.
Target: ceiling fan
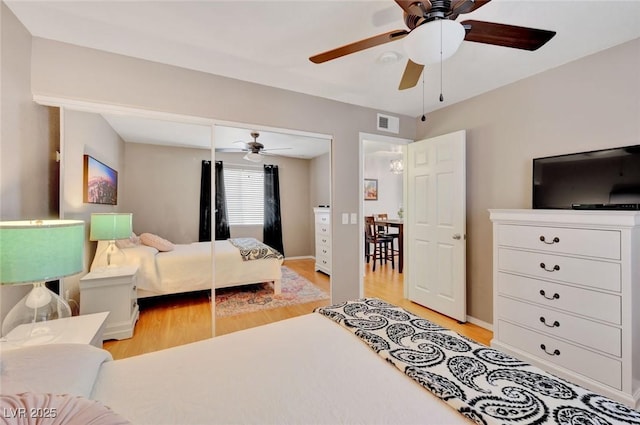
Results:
254 149
426 41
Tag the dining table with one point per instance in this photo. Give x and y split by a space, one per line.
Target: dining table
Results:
399 224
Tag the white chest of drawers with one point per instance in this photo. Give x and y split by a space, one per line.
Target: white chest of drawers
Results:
565 284
323 239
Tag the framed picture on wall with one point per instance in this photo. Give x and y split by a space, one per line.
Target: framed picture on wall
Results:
100 183
370 189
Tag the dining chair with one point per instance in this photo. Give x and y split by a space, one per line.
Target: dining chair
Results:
386 230
382 244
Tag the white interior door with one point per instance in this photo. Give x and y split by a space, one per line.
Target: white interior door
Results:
436 224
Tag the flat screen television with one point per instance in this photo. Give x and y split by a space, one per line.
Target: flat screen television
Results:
603 179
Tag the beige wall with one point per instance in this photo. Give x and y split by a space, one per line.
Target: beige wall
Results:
162 190
26 145
86 133
592 103
60 69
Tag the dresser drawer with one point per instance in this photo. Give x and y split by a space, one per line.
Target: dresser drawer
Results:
567 298
323 218
324 261
586 242
594 335
585 362
323 250
591 273
323 239
323 229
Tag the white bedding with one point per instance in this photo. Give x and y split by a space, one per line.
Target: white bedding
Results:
188 267
305 370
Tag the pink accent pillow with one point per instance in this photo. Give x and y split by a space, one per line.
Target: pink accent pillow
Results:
156 242
55 409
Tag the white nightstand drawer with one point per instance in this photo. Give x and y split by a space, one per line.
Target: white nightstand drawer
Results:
595 274
585 362
586 242
567 298
607 339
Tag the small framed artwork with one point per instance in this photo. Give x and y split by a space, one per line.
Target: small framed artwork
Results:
100 183
370 189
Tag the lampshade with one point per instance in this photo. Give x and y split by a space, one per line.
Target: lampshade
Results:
42 250
110 226
423 44
39 251
253 157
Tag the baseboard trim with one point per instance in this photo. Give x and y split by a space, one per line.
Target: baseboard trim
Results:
481 323
301 257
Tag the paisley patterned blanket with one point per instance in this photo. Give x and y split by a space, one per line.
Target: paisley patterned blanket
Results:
483 384
252 249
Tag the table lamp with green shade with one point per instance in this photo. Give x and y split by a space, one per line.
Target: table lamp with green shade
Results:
36 252
110 227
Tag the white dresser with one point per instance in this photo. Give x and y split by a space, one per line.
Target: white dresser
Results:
565 284
323 239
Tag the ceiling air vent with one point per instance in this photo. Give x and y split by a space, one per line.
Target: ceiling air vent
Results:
388 123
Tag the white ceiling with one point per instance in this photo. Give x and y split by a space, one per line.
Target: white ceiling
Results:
170 133
269 42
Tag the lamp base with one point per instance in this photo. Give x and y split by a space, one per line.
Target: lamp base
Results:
38 306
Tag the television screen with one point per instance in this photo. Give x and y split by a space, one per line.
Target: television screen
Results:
604 179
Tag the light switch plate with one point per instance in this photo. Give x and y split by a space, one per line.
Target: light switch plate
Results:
345 218
354 218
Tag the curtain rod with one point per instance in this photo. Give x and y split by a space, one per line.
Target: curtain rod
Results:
242 165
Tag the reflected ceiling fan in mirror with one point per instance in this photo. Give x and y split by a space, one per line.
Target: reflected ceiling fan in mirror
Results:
434 35
254 149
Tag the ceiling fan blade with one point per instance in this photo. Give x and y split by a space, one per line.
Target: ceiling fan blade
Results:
358 46
466 6
414 7
230 150
273 149
411 75
506 35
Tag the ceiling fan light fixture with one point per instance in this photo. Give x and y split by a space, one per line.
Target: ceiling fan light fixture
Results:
253 157
423 43
396 166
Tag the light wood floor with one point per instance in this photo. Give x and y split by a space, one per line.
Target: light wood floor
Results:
175 320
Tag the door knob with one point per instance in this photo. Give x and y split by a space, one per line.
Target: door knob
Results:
457 236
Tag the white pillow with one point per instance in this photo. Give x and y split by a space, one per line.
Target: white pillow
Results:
52 368
131 242
156 242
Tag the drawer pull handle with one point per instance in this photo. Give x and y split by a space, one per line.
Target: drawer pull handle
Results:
556 352
555 268
554 297
555 324
555 240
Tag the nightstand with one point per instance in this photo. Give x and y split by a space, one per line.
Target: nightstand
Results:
112 289
87 329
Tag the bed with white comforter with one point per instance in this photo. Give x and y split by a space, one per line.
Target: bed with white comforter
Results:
188 267
361 362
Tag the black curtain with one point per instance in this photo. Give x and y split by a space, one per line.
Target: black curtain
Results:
222 223
222 219
272 233
205 202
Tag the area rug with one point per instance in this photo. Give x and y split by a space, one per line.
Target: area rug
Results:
249 298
